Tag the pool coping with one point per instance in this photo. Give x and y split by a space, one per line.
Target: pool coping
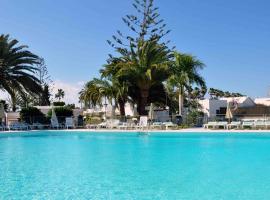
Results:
181 131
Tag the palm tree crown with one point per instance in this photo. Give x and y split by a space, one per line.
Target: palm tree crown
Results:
17 71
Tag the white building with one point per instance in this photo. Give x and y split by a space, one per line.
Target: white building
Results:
216 107
262 101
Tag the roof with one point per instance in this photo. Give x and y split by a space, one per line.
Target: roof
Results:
262 101
239 100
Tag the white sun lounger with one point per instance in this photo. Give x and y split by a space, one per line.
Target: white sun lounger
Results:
248 124
259 124
169 125
69 123
234 124
210 124
143 123
54 123
157 125
222 124
267 124
18 126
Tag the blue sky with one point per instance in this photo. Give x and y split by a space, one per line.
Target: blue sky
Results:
230 37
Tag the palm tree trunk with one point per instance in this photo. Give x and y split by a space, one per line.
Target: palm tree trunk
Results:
181 100
14 103
143 101
122 107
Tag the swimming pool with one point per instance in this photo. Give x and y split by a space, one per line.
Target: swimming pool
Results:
82 165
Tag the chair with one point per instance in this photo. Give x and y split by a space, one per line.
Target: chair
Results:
69 123
248 124
169 125
234 124
114 123
259 124
54 123
157 125
210 124
123 125
102 125
18 126
143 123
222 124
267 124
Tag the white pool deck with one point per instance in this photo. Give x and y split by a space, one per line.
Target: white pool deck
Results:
181 131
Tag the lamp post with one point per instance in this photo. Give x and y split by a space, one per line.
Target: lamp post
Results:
105 106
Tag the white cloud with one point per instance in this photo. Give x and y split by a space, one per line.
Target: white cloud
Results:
71 90
3 95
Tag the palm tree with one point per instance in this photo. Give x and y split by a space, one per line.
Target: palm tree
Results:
145 67
185 74
17 71
96 90
60 94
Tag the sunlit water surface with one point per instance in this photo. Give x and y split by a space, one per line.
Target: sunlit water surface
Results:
65 165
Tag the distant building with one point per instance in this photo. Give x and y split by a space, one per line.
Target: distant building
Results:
262 101
217 107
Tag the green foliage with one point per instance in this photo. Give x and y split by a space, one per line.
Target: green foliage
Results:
32 115
45 96
17 70
3 102
71 106
60 94
93 120
59 103
144 25
61 113
216 94
194 118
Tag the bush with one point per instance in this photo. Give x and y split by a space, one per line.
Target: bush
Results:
32 115
59 103
93 120
61 113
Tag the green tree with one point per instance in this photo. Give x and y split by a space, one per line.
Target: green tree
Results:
17 70
146 68
60 94
145 25
184 74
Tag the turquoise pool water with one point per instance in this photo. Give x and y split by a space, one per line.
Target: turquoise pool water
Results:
62 165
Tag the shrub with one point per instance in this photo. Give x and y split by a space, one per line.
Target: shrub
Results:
32 115
93 120
61 113
59 103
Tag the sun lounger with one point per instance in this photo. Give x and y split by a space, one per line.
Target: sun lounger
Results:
37 126
170 125
143 123
248 124
224 125
69 123
234 124
210 124
157 125
54 123
114 123
102 125
18 126
123 126
259 124
267 124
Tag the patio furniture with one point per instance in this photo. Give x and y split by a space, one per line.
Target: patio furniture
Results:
259 124
234 124
247 124
210 124
69 123
170 125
